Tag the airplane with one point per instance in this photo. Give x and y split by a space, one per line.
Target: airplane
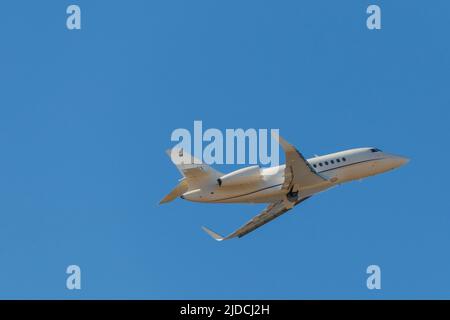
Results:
282 187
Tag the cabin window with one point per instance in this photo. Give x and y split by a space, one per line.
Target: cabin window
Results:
320 164
326 163
315 165
332 161
338 160
343 159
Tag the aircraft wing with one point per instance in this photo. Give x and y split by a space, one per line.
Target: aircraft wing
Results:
272 211
298 171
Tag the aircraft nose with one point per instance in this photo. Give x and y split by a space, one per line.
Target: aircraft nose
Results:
400 161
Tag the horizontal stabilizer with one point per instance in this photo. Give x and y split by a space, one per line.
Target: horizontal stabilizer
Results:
181 188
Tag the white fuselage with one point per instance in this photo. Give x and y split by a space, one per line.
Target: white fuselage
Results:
337 167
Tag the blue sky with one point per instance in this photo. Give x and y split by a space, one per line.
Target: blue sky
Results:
85 117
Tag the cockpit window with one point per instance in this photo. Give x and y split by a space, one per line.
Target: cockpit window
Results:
375 150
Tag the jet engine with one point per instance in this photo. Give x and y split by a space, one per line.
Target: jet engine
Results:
241 176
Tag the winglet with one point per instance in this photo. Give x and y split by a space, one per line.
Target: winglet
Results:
287 147
214 235
284 144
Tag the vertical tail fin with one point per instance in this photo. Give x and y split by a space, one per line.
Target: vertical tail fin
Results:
195 174
190 167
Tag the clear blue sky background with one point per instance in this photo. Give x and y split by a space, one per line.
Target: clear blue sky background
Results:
85 117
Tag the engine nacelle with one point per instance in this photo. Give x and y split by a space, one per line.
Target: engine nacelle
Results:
241 176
